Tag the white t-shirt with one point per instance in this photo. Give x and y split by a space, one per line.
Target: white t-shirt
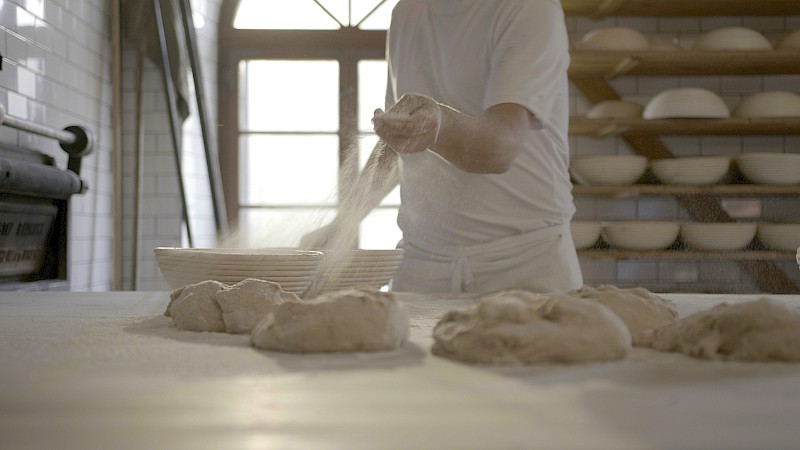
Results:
471 55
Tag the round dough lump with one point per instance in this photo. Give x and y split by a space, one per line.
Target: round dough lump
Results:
641 310
194 307
759 330
344 321
517 327
248 302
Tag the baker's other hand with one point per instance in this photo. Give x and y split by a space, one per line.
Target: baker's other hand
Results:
411 125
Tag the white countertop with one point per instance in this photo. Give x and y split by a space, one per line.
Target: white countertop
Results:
105 370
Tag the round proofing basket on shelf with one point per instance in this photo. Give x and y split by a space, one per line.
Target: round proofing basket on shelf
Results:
585 234
732 39
641 234
779 236
699 170
686 103
769 104
608 170
717 236
770 167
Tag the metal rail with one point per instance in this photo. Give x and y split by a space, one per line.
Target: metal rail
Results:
77 141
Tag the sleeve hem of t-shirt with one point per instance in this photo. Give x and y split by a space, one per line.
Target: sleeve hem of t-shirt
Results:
539 117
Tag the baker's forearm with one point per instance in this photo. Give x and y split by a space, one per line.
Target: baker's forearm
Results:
486 144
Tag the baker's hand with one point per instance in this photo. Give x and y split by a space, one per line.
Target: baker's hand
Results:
411 125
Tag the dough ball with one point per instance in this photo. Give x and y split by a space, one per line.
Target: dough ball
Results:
516 327
343 321
195 308
759 330
248 302
641 310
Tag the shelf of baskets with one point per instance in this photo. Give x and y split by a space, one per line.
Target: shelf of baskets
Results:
604 8
743 255
612 64
720 190
598 128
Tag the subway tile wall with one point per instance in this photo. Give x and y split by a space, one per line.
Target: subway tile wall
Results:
683 276
57 71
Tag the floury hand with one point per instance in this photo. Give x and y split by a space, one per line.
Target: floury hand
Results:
411 125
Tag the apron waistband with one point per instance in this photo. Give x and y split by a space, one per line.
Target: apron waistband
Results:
499 245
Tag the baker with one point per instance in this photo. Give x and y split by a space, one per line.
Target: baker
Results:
475 132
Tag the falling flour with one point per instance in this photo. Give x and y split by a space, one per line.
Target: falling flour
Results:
516 327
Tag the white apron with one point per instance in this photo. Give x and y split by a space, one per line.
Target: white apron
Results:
542 261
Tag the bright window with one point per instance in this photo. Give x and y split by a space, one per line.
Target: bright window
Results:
292 158
314 14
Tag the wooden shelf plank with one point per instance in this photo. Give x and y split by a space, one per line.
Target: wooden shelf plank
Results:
588 64
730 190
581 126
745 255
675 8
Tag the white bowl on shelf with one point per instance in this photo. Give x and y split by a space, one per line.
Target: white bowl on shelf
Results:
293 269
780 236
585 234
614 39
770 168
718 236
641 234
698 170
686 103
608 170
789 42
769 104
615 109
732 39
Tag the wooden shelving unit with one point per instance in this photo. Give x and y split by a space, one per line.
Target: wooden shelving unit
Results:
581 126
609 65
665 8
718 190
744 255
590 73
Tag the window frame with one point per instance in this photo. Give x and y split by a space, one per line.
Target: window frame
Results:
348 45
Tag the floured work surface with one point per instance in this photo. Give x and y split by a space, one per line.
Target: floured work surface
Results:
105 370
